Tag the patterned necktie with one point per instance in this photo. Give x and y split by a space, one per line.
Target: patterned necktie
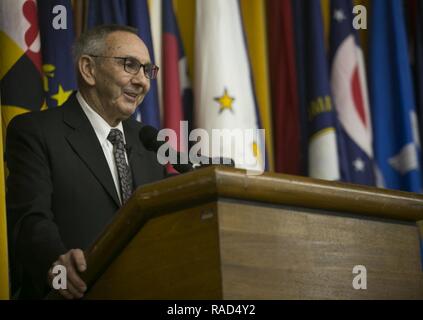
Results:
125 178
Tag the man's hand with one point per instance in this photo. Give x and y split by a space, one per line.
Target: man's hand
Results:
74 262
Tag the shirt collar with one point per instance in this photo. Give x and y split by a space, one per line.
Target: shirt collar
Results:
101 127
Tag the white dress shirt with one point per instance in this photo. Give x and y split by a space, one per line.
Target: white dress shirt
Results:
102 130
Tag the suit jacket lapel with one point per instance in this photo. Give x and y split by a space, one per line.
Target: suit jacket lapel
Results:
85 143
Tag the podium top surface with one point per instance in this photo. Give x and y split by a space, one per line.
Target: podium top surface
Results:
216 182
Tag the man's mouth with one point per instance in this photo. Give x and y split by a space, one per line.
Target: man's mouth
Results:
131 96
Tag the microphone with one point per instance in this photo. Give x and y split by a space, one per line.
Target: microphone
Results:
148 136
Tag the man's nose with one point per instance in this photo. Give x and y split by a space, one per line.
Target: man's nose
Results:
141 79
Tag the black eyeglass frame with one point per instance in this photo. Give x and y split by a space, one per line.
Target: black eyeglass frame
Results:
154 68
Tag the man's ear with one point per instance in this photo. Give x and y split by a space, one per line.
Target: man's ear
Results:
87 70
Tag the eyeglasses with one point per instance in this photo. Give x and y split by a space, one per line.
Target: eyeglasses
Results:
133 66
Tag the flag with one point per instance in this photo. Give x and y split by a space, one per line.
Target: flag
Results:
322 122
57 37
396 136
133 13
224 94
254 18
107 12
177 93
349 91
20 59
20 89
286 118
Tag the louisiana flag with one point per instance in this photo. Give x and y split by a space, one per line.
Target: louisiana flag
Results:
57 37
224 94
395 125
349 91
323 160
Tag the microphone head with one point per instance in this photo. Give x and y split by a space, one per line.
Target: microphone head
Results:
148 137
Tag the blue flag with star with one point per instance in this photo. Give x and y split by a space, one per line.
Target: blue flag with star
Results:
57 36
395 128
349 91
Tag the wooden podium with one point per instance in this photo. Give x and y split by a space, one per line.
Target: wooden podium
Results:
218 233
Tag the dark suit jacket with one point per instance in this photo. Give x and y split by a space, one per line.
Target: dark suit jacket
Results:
60 191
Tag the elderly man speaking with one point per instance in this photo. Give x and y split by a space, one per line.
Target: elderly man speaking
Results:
72 167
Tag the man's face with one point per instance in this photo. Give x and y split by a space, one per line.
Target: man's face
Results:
118 91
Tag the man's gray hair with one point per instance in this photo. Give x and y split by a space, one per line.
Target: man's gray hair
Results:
93 41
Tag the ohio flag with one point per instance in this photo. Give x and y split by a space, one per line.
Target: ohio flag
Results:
349 91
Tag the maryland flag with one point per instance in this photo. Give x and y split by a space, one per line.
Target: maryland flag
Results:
21 86
20 59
